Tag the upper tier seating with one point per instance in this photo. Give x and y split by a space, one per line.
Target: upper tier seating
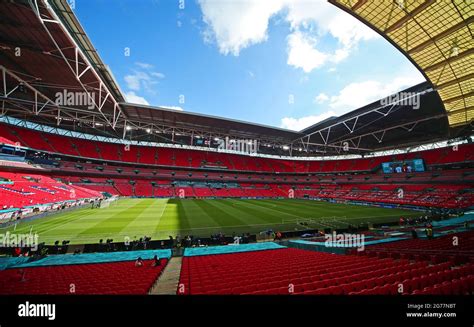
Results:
196 159
294 271
97 278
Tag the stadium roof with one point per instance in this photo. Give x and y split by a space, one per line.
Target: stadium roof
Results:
42 56
437 36
384 124
208 124
56 56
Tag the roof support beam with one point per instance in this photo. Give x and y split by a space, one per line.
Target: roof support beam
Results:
441 35
459 97
455 81
453 112
358 5
377 110
450 60
37 93
409 16
409 126
78 51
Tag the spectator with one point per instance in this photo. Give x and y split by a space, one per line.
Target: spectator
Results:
156 261
277 236
139 262
429 231
23 275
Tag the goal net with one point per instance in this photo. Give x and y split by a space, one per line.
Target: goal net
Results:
105 203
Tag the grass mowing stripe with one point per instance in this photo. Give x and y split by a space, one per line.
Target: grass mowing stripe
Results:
169 223
147 221
219 216
279 211
160 217
182 216
126 229
199 217
283 209
243 206
53 222
246 218
308 211
114 221
352 210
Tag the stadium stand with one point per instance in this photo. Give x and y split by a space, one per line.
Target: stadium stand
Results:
98 278
23 190
51 155
180 157
443 184
294 271
457 248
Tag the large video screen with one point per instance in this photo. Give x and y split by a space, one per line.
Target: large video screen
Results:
405 166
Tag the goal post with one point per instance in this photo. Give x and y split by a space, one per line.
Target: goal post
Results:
105 203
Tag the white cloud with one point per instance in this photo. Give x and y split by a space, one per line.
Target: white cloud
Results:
143 78
172 108
144 65
304 79
298 124
235 25
321 98
133 98
359 94
159 75
318 19
328 19
303 54
133 82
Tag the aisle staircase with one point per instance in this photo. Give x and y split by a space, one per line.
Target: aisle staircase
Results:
167 283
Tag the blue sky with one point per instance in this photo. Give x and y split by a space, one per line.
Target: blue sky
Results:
284 63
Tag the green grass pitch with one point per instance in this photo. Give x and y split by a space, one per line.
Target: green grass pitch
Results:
160 218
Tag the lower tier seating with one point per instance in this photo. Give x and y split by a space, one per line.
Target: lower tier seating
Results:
456 248
100 278
19 190
293 271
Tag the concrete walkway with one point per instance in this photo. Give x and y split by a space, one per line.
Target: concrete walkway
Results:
168 282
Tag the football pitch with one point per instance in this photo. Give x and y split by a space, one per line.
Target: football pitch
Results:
159 218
